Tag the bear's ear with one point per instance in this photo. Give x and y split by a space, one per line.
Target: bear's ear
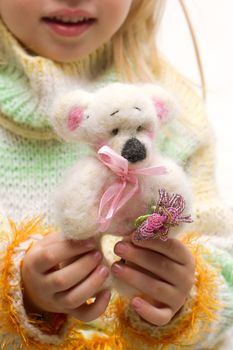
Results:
164 103
69 113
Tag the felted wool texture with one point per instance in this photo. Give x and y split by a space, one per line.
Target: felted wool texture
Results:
131 110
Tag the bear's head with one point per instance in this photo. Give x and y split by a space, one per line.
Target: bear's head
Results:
125 117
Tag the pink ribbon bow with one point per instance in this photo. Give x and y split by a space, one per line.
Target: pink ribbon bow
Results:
115 195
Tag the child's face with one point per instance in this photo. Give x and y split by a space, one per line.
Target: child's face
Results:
40 25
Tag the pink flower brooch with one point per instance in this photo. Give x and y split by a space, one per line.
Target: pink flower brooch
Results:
167 213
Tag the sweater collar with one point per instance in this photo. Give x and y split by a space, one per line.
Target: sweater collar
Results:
28 83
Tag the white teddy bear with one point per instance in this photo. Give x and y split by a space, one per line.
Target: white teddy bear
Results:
126 174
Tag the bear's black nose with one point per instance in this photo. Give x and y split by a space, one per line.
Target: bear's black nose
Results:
133 150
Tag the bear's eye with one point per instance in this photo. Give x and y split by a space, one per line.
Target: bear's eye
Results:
139 128
114 131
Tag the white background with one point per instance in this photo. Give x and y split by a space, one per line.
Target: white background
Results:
213 24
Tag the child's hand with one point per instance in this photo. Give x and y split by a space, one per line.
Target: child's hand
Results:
59 276
162 271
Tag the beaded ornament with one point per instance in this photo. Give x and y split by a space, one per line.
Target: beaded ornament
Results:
165 214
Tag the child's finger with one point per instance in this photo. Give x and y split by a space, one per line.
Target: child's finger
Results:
44 258
172 248
155 289
72 274
77 296
156 316
162 266
51 238
88 313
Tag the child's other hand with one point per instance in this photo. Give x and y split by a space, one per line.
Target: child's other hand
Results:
59 276
162 271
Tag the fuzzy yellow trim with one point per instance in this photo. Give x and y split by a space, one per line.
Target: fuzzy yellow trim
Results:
11 330
186 329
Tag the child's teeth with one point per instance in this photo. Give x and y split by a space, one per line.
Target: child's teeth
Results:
69 19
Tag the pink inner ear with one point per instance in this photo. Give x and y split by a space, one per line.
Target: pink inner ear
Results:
74 118
161 109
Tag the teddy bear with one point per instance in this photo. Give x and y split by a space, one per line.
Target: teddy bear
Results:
125 176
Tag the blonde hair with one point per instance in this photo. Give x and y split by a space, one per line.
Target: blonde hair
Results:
135 53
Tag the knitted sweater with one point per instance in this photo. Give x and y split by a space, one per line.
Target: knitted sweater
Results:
32 161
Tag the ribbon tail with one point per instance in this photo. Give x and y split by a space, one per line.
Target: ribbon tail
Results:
130 194
155 170
115 191
114 196
107 197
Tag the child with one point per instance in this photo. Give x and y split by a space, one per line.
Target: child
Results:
51 46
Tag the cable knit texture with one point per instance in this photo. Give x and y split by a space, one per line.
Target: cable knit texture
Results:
32 161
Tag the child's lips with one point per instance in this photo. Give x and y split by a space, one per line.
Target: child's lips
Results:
68 28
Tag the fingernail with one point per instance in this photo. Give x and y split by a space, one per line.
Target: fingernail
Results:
103 271
97 255
117 268
121 248
137 303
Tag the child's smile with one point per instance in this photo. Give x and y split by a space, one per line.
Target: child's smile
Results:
64 31
69 23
